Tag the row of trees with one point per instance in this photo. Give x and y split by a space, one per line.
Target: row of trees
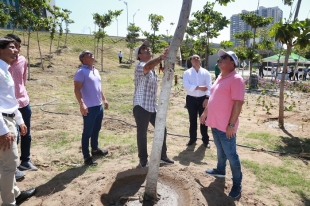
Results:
28 16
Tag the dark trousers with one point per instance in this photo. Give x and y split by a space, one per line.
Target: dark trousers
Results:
120 59
25 141
261 73
92 125
143 118
195 108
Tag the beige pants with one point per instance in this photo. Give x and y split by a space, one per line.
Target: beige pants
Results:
8 165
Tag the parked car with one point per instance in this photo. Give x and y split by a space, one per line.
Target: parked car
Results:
268 71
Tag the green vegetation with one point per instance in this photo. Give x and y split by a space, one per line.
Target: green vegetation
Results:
280 176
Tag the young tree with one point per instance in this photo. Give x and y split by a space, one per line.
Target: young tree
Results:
187 48
255 22
67 22
207 25
103 21
30 12
131 38
156 43
56 14
160 122
292 34
5 16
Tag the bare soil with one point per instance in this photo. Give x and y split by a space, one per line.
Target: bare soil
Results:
184 183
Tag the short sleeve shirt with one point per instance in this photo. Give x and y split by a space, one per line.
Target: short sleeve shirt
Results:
91 89
224 92
145 88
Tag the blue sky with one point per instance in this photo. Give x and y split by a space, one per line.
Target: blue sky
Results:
82 11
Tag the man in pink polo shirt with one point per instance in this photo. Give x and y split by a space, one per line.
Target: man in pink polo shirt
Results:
224 106
19 70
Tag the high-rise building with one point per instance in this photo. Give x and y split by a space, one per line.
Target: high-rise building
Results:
15 3
237 25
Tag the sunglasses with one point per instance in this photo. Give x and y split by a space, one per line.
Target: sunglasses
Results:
225 56
196 58
87 53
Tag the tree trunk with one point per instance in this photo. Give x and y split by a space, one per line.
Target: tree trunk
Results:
66 39
281 95
40 51
51 48
28 56
102 54
160 122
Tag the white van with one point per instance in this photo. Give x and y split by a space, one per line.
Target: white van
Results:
268 71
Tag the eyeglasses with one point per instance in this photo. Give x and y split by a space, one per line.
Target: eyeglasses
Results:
196 58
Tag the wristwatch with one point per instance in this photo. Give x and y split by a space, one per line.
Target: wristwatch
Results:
231 124
207 97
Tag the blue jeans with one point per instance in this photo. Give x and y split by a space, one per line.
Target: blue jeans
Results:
92 125
25 141
226 149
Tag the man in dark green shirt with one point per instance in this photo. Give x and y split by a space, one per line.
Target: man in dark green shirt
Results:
217 71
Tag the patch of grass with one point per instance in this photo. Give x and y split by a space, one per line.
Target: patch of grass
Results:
280 176
59 142
263 140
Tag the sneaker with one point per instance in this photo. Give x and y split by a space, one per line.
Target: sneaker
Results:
142 166
214 172
99 152
90 162
206 144
27 166
235 191
166 161
19 175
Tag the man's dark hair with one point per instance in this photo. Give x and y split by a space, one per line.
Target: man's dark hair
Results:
15 37
4 42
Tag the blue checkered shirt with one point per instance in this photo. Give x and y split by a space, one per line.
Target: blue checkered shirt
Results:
145 88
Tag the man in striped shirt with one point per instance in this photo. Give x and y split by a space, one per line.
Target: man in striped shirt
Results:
144 101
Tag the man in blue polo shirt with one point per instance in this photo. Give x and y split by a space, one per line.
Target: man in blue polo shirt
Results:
88 92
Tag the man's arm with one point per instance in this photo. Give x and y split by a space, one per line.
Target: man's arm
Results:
105 101
154 62
78 95
230 131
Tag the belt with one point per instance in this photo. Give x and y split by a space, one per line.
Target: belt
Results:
8 115
197 97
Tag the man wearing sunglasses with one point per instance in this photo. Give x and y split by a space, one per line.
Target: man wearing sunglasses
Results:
88 92
197 83
144 100
221 114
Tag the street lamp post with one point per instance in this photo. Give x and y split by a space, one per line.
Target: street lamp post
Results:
133 17
116 27
126 9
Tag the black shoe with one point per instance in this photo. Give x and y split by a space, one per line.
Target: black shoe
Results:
25 195
166 161
143 165
19 175
189 143
90 162
99 152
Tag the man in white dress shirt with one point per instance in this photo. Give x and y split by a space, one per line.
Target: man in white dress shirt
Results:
197 83
9 116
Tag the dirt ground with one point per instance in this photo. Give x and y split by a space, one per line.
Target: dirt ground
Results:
62 180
